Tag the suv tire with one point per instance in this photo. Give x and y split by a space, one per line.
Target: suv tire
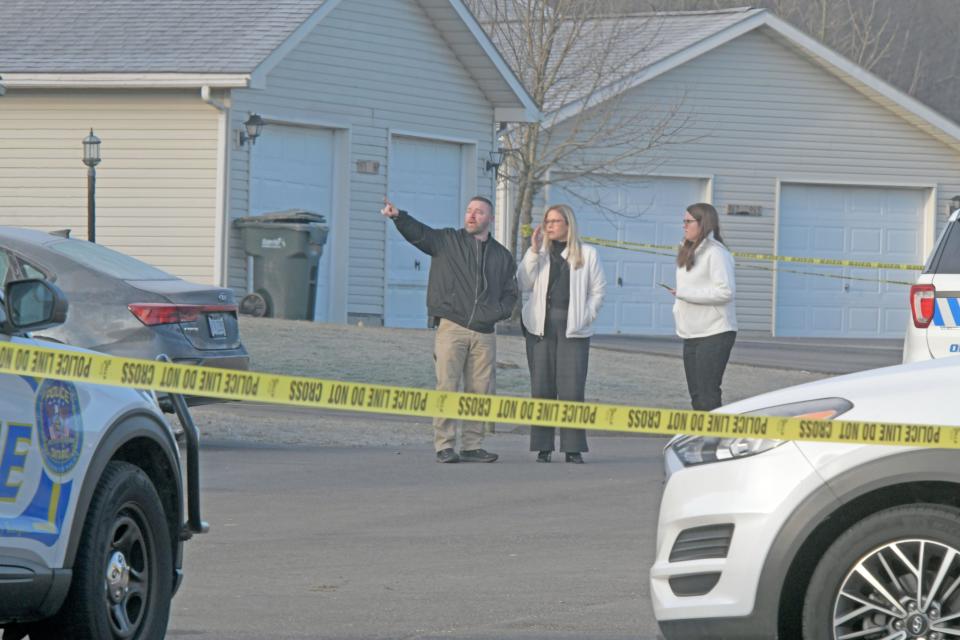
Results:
123 575
878 559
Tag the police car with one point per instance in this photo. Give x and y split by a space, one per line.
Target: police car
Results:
91 497
761 539
934 327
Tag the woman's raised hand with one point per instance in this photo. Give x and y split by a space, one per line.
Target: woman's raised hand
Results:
536 240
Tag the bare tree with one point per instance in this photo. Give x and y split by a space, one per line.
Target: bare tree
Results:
575 60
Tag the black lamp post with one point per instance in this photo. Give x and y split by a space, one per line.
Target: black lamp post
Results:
91 158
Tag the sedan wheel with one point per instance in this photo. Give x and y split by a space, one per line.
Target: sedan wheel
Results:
893 576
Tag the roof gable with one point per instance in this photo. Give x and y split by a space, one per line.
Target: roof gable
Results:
598 49
683 36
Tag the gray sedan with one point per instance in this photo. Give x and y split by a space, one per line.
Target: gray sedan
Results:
125 307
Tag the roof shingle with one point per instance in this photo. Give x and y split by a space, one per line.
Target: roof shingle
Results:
145 36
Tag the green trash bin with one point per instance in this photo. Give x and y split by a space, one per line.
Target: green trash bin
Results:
286 247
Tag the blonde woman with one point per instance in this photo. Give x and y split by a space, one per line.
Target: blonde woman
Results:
704 309
565 286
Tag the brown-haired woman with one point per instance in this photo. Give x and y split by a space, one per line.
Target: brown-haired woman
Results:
704 310
566 284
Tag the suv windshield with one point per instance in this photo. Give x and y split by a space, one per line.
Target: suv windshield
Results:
108 261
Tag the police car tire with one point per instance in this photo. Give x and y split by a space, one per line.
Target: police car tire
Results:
125 501
935 523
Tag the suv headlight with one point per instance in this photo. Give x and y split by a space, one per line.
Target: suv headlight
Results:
692 450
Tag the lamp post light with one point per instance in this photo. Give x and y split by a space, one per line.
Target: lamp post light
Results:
91 158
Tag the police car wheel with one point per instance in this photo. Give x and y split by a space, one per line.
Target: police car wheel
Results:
894 574
123 575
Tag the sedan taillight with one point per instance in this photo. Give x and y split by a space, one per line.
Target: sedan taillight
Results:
922 304
154 313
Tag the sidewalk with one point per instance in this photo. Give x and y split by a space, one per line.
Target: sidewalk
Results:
819 355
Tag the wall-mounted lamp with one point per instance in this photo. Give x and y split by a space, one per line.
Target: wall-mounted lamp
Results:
954 204
496 159
252 129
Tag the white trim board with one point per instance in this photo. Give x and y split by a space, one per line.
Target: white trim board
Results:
529 111
125 80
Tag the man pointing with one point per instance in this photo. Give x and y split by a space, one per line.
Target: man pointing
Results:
472 286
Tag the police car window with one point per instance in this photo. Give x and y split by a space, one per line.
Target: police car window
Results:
108 261
948 253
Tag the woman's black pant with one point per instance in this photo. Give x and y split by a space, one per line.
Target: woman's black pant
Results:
558 371
704 361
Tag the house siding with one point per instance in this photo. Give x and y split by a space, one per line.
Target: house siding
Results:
759 113
156 185
369 68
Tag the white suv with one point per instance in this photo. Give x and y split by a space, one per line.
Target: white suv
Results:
762 539
91 496
934 327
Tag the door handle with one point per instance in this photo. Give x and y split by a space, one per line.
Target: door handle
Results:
846 286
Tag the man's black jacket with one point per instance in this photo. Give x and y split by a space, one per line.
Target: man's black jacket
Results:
471 283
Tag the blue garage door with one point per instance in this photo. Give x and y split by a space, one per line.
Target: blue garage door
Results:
424 180
292 168
643 210
852 223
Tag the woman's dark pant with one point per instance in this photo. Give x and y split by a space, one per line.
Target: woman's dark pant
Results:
558 371
704 361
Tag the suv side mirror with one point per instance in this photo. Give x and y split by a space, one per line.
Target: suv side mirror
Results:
32 305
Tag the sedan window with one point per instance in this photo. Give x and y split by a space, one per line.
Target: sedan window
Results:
108 261
4 267
31 271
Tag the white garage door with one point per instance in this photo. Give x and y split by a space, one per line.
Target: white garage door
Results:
645 210
424 180
852 223
292 168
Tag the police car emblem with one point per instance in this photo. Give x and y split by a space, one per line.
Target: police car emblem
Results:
59 425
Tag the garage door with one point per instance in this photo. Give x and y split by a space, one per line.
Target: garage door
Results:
645 210
854 223
424 180
292 168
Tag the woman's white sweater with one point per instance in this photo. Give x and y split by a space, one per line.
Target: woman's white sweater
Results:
704 305
587 287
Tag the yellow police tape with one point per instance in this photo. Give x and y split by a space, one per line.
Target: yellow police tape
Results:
760 267
45 362
616 244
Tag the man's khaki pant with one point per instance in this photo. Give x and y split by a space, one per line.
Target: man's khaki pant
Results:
469 357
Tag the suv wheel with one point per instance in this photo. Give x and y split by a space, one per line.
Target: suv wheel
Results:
123 575
895 574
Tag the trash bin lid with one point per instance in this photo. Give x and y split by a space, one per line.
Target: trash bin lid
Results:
290 216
